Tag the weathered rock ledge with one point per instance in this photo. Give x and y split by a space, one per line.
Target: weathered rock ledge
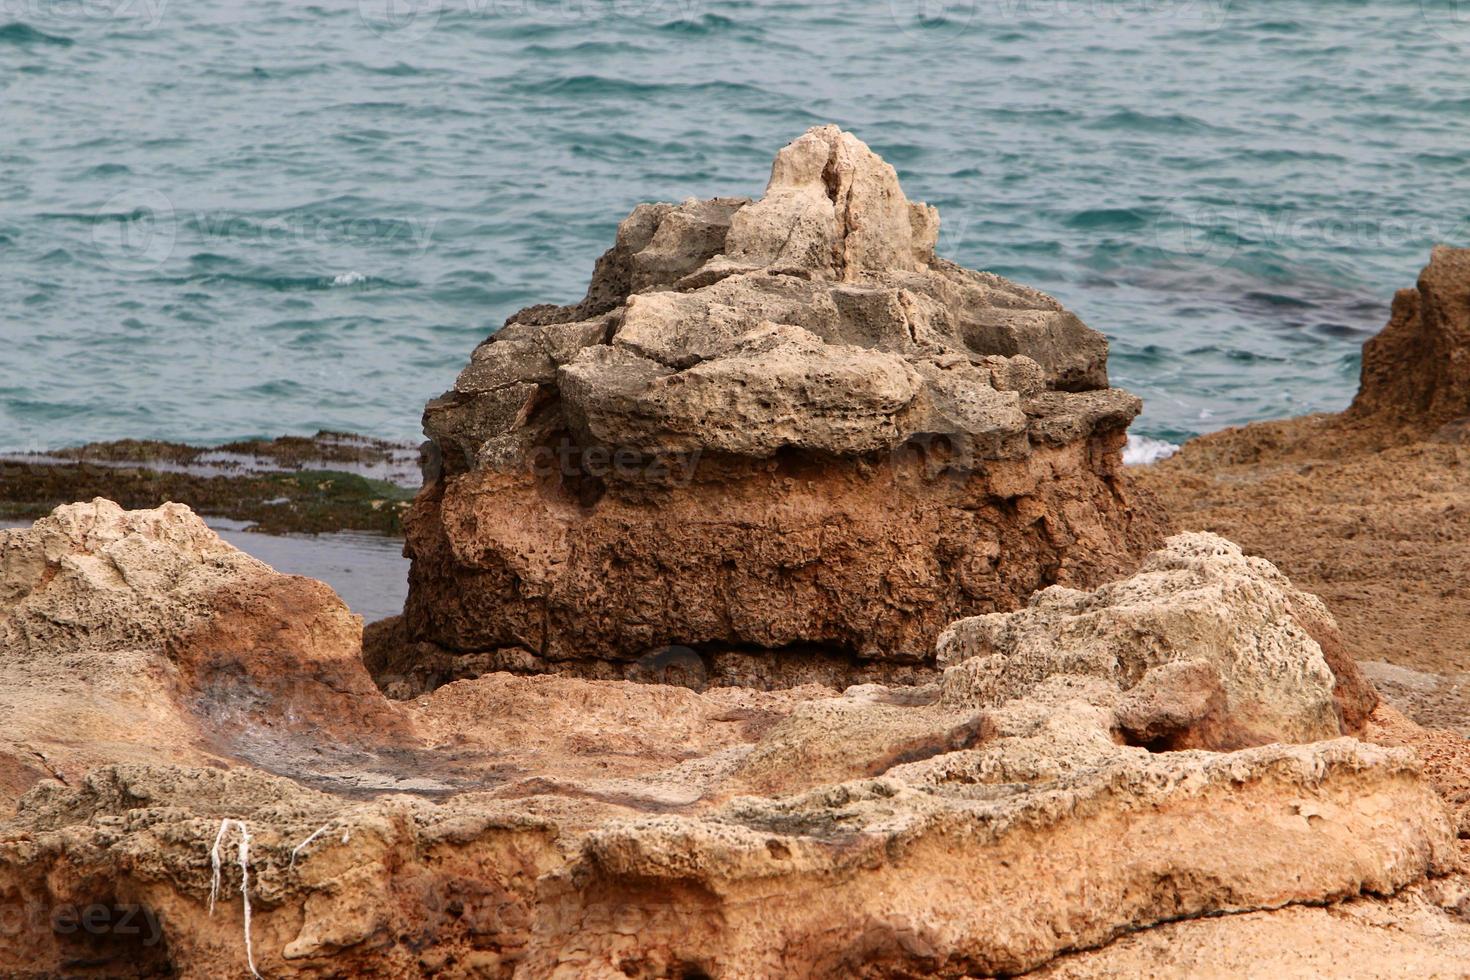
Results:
191 739
781 434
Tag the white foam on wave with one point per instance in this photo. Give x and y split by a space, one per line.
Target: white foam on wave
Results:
349 279
1142 450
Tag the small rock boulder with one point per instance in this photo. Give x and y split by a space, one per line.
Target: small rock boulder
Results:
1209 648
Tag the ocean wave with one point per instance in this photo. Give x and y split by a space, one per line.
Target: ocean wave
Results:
702 25
1143 450
24 35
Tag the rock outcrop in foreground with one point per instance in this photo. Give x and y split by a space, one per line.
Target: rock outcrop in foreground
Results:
227 778
781 427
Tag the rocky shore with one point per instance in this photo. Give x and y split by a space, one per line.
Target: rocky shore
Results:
332 481
1369 509
780 609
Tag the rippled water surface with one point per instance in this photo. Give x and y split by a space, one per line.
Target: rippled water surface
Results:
221 219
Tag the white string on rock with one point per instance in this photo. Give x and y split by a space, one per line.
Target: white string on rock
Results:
242 855
314 835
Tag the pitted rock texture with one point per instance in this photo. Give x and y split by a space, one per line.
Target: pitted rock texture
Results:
559 827
769 426
1215 649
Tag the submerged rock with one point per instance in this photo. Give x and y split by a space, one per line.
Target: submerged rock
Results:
331 481
781 426
551 826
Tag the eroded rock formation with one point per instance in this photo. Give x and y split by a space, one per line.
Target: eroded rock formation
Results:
1202 634
778 425
992 820
1416 372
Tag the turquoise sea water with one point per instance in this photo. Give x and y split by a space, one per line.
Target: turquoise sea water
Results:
221 219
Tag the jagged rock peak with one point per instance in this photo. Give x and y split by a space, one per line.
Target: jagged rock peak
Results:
835 208
817 318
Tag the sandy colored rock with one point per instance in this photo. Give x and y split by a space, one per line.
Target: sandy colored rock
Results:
1205 639
141 636
1421 933
781 429
529 826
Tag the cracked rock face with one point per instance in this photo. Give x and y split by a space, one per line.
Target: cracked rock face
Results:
987 822
774 425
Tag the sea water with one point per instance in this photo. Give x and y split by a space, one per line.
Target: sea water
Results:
222 219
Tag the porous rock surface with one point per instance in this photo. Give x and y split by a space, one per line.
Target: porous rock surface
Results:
781 425
509 826
1216 649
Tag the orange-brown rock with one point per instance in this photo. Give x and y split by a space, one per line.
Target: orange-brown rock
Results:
782 434
1416 372
820 559
511 826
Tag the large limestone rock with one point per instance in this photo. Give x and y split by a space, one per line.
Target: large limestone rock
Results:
543 826
780 425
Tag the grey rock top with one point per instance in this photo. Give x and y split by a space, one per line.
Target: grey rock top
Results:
817 318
